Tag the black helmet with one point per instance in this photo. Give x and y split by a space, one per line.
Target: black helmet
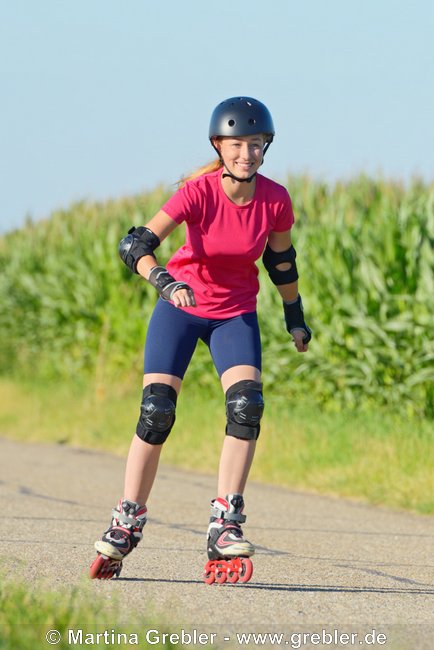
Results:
238 116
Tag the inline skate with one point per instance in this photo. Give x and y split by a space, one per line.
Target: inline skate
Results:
122 536
228 552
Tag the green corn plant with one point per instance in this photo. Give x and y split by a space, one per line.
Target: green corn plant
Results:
365 257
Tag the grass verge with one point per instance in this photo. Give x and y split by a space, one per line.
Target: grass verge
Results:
373 456
32 617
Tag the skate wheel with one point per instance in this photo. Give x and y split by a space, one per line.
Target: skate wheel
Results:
220 576
209 573
209 577
96 566
104 568
233 576
247 569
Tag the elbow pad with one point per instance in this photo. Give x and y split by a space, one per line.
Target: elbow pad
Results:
139 242
271 259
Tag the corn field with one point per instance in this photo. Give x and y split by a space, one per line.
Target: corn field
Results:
365 256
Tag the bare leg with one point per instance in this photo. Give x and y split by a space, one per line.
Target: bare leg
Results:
143 458
235 462
142 465
237 455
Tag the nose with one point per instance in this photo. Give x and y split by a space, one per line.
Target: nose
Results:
245 152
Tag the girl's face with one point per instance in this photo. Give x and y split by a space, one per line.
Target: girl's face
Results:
242 155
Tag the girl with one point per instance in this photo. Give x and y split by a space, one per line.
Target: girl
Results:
208 291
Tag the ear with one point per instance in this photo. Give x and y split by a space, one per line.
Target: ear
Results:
216 143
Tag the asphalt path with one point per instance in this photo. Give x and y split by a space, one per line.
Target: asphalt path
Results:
323 565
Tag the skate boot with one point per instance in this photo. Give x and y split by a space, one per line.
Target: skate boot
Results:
228 551
122 536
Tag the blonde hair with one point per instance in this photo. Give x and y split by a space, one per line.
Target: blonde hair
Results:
212 166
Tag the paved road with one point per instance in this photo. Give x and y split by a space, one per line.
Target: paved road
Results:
321 563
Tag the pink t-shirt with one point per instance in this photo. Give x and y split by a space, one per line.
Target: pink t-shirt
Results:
224 241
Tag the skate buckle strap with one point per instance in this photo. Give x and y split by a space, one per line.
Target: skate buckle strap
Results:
124 519
229 516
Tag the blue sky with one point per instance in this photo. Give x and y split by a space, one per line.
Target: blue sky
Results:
102 99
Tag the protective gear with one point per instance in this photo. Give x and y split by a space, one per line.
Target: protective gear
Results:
157 413
294 318
272 258
139 242
166 284
240 116
244 409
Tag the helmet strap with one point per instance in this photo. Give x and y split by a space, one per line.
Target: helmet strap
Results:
265 150
240 180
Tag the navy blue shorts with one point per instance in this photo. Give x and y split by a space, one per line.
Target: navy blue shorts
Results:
173 335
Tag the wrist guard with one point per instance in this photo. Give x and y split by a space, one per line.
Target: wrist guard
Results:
294 318
165 284
138 243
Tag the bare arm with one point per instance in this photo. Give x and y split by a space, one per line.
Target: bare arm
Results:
279 242
162 225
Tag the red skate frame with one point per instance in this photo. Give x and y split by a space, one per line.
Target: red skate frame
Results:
237 569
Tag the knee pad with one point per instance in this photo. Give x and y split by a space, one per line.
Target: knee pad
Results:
157 413
244 409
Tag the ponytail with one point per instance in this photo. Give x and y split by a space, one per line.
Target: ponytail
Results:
205 169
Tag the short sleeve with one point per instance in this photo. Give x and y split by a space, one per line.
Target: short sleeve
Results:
285 214
182 205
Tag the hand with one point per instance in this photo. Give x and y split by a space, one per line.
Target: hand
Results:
170 289
298 336
183 298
